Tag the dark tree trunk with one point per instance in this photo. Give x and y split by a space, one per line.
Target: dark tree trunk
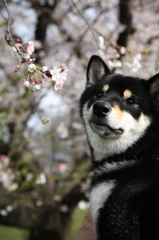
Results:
125 18
44 19
38 234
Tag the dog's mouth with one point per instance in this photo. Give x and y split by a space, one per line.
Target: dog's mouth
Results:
104 129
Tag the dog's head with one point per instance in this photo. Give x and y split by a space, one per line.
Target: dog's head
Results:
117 110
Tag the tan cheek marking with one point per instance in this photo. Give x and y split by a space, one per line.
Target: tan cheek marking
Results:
119 112
127 94
106 87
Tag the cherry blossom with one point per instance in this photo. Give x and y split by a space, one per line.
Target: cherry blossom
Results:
31 67
83 205
25 49
26 83
29 176
46 169
55 73
62 167
135 65
3 212
36 75
9 208
4 161
115 63
30 48
101 43
63 75
122 50
6 179
58 84
44 68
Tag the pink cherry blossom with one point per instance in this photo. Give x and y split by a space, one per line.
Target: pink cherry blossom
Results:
46 169
43 75
62 167
36 75
122 50
58 84
30 48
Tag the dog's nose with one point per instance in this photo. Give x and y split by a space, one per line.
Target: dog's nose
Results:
101 108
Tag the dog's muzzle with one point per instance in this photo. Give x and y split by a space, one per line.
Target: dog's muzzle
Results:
98 121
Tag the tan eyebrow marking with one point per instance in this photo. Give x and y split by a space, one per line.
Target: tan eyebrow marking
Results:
127 93
105 87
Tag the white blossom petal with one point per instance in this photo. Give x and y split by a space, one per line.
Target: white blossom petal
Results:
31 67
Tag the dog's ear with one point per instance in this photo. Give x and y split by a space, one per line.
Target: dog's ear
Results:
154 86
96 70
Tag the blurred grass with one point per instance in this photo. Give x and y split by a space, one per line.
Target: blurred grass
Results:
12 233
77 220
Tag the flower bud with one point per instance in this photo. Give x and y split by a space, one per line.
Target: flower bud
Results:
26 83
43 75
17 40
31 67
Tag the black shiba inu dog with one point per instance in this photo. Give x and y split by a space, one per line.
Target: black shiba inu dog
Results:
121 118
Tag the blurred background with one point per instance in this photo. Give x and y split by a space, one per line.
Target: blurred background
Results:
45 169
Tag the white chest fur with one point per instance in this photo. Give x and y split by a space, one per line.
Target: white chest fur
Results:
98 196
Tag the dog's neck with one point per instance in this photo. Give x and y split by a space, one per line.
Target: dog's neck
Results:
142 150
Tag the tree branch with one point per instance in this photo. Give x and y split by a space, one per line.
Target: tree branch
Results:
86 21
7 35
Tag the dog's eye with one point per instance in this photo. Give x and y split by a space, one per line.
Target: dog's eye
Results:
130 100
99 94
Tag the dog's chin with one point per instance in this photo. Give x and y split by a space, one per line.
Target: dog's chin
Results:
105 130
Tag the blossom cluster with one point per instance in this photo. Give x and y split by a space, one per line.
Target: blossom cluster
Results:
114 59
26 49
8 175
37 77
135 65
